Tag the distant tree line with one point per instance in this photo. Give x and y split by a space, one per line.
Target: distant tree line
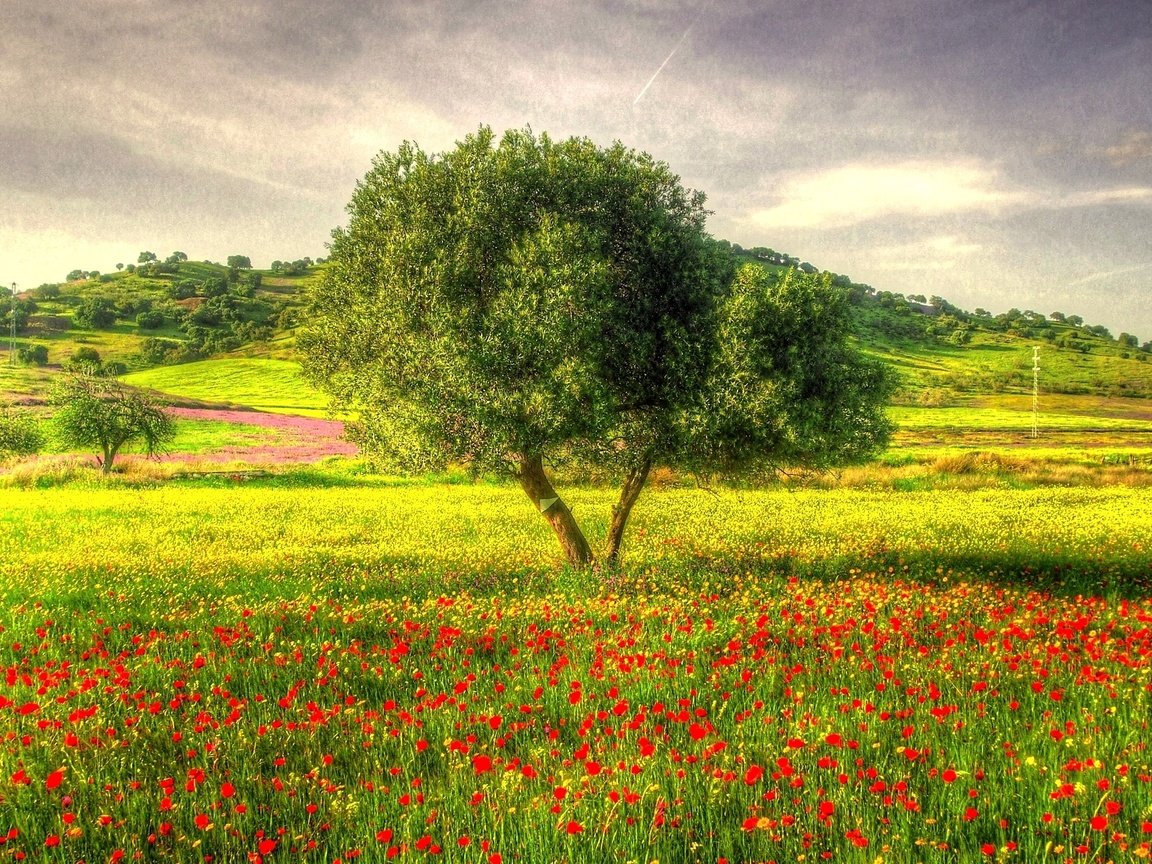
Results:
920 318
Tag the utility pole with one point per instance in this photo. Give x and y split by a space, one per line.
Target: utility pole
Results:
12 341
1035 391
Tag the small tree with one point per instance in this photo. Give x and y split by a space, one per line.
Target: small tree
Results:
20 433
97 313
150 320
96 411
519 304
22 310
33 355
239 262
85 359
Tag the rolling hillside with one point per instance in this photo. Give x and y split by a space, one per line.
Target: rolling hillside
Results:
213 333
273 386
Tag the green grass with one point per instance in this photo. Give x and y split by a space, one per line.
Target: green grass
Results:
266 385
208 436
997 363
1009 418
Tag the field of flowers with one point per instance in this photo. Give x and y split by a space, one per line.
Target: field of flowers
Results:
247 673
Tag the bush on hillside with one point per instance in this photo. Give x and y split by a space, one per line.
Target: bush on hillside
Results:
96 312
150 320
20 433
157 352
33 355
87 359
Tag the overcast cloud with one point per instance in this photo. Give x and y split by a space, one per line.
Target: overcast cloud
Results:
995 152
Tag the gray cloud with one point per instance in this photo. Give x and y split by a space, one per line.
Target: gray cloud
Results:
967 149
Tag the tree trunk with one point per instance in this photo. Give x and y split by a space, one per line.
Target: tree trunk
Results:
539 490
109 458
629 492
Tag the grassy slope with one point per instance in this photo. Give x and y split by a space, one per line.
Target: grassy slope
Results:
950 396
263 384
121 342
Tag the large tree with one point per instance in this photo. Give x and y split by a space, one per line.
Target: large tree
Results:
515 303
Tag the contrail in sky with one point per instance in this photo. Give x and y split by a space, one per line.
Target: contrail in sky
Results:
640 95
1108 274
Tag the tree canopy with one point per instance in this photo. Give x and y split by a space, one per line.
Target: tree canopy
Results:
516 303
20 434
97 411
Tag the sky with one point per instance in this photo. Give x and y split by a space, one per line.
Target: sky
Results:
997 153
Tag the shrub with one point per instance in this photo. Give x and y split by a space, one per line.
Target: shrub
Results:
20 433
150 320
85 358
155 352
33 355
96 312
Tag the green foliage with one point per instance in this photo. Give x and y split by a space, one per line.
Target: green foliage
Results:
512 297
94 411
150 320
525 300
183 289
97 313
786 389
85 359
20 433
214 287
292 268
960 336
155 352
33 355
21 309
239 262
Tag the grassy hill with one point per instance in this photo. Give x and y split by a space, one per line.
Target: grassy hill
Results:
268 385
161 314
208 332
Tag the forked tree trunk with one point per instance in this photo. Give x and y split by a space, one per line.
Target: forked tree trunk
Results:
539 490
629 492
